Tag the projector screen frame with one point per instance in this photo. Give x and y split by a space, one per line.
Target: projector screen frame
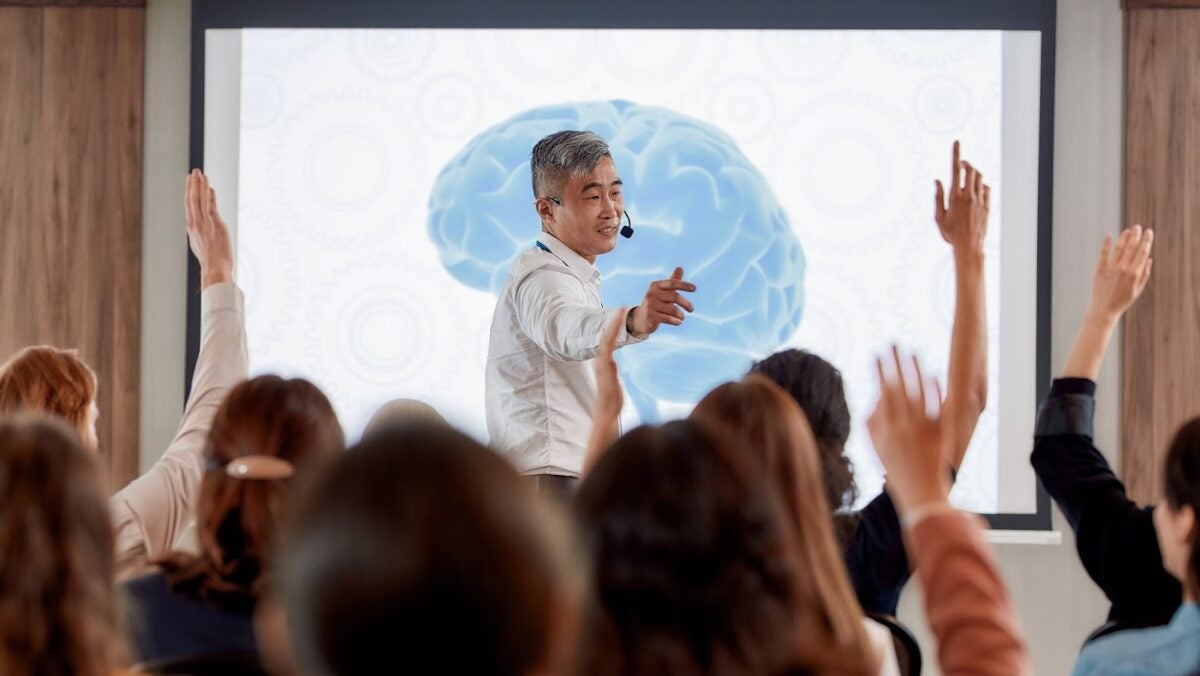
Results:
1029 15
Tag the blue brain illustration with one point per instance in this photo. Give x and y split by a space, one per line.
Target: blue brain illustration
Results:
696 202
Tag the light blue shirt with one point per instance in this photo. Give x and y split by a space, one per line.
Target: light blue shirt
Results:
1171 649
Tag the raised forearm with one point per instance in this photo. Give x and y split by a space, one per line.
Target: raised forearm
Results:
966 389
605 431
1090 345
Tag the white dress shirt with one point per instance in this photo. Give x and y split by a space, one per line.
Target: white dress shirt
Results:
539 385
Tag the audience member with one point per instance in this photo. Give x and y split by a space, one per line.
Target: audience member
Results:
967 606
151 513
693 564
1139 556
423 552
871 537
771 429
401 411
268 434
58 609
1173 649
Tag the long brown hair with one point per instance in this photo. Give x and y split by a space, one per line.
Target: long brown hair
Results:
773 430
693 568
236 519
45 379
58 611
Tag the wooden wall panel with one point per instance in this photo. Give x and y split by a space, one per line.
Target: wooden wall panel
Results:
1161 360
70 199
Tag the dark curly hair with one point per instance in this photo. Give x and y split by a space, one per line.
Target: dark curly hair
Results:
693 568
817 386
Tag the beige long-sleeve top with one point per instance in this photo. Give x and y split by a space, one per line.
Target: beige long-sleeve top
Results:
966 603
152 512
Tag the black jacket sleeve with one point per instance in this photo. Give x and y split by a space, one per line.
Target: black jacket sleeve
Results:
1114 536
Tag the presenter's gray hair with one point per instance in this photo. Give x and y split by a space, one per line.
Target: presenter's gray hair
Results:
564 154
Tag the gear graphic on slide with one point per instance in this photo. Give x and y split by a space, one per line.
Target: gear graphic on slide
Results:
339 163
378 330
696 201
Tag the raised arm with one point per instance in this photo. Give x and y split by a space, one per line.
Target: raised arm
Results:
151 513
609 398
966 603
962 222
1115 537
1121 275
555 314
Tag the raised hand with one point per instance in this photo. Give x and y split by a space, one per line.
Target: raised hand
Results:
208 236
908 437
963 219
663 304
1121 275
609 397
1122 272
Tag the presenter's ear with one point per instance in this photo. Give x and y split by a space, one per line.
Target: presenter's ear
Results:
545 209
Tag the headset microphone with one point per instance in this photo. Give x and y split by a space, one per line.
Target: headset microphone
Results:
627 229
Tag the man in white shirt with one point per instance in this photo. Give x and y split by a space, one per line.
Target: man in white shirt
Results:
540 389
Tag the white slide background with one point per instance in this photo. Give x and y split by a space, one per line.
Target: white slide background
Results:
343 132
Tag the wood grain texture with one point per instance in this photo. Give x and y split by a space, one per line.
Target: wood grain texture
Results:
70 199
1162 330
72 3
1161 4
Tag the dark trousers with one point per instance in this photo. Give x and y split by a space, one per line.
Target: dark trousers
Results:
559 489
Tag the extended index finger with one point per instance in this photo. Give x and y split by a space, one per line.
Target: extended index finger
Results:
675 285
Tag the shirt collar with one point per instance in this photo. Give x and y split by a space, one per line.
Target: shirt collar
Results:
577 264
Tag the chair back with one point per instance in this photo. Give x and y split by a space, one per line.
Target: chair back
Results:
908 653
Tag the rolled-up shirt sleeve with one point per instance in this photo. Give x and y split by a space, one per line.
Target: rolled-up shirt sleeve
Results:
152 512
553 311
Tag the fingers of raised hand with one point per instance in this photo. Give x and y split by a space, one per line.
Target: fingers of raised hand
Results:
956 171
939 202
971 187
987 196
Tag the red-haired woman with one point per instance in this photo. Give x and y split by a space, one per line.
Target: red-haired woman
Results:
151 513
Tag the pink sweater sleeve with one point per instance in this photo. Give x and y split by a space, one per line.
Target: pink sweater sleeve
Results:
966 603
152 512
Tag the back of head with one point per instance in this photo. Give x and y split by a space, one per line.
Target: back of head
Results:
237 517
1181 488
420 551
692 569
772 431
816 385
57 607
400 412
44 379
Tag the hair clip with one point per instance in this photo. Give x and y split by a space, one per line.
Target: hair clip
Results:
255 467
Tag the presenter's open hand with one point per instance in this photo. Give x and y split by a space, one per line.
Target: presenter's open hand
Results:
208 235
907 430
963 219
663 304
